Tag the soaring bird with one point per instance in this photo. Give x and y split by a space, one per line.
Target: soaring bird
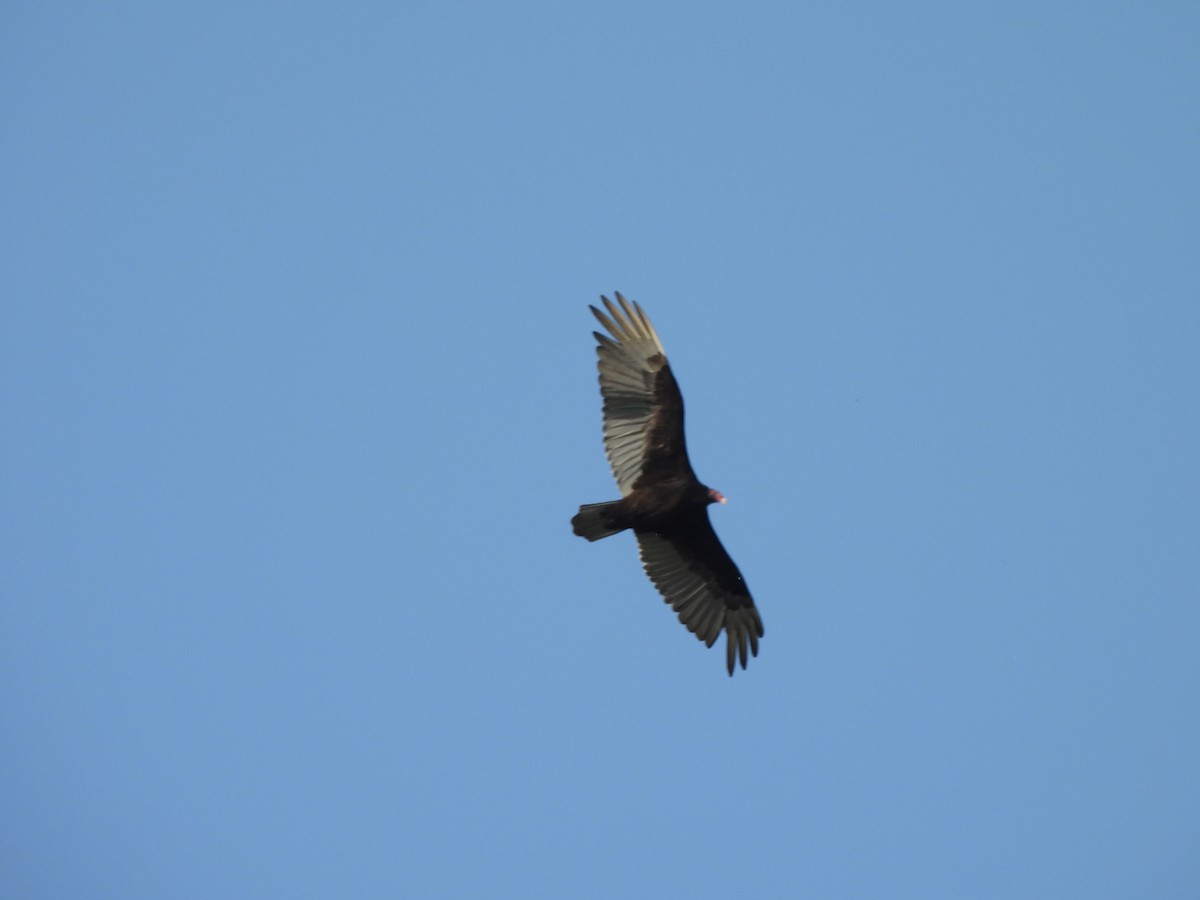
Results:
662 500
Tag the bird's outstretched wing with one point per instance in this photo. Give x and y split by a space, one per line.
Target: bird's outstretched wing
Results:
697 577
643 409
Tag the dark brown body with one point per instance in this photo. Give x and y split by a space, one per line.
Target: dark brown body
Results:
662 506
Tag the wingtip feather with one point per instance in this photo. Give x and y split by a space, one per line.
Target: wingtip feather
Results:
627 321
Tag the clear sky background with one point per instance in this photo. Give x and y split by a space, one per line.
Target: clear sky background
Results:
299 396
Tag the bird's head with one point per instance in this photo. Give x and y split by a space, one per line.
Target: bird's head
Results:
716 496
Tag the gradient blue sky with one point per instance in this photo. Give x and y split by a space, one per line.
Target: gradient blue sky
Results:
299 397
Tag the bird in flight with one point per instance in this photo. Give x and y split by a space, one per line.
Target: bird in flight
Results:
662 501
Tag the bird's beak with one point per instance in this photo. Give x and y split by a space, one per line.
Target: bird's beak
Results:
718 496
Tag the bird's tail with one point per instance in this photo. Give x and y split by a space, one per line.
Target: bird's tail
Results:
593 521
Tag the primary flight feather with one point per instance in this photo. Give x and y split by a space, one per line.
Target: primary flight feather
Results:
662 501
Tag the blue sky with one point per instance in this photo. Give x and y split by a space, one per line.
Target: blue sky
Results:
299 397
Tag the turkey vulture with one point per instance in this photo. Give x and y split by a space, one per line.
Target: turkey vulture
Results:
662 501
